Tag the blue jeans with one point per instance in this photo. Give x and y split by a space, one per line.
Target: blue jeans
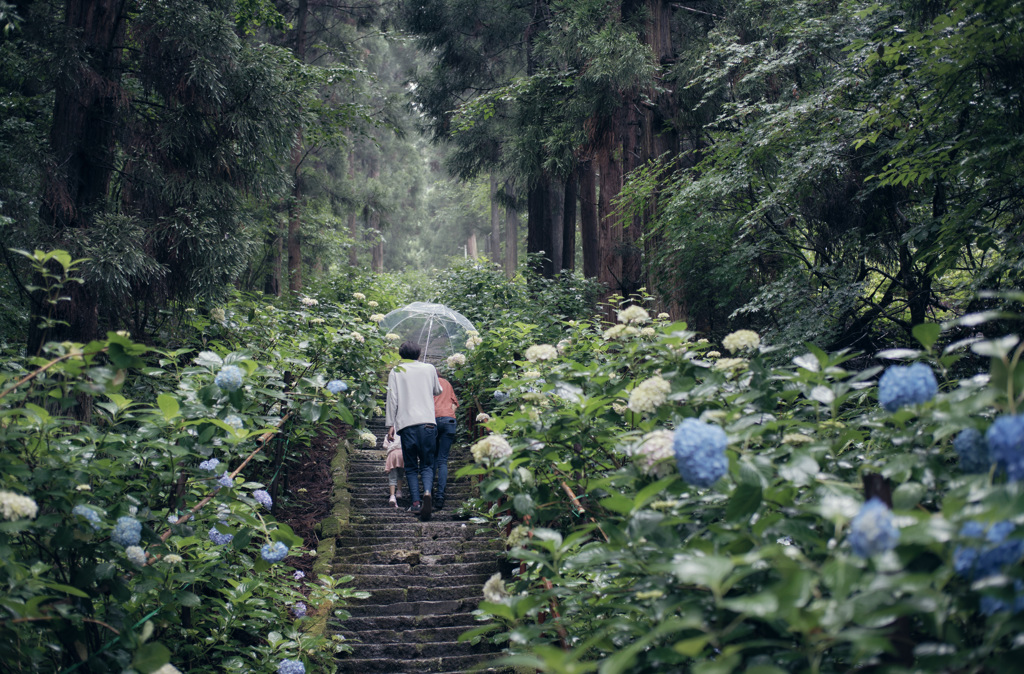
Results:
419 442
445 438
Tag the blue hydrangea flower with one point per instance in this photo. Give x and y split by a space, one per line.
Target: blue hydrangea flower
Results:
209 464
972 449
299 609
263 498
127 531
274 552
218 538
229 378
298 575
337 386
226 480
1005 438
990 558
700 452
291 667
135 555
873 530
234 421
500 396
88 513
906 385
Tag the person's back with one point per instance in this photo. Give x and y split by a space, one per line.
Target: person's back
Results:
410 411
445 405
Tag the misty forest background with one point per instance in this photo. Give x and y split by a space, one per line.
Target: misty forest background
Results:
835 171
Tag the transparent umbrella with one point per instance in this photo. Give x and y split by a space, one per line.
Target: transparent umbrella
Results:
439 330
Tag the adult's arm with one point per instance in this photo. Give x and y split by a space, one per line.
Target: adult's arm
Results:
436 382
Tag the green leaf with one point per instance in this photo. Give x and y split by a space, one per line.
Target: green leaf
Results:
761 604
744 502
169 406
927 334
151 657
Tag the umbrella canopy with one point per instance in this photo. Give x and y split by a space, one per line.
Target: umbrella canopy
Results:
439 330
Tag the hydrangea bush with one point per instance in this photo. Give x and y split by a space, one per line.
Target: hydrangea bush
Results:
137 484
756 515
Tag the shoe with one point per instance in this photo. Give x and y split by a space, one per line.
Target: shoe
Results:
439 503
398 493
427 508
415 508
393 501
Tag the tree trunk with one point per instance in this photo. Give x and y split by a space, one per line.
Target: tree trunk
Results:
495 242
588 220
556 213
511 234
536 234
295 210
569 224
82 139
471 246
353 227
609 228
273 282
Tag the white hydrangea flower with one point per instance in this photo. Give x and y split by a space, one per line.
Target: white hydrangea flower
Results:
456 360
15 506
472 333
172 559
372 303
742 340
492 447
218 314
309 301
494 589
358 337
531 374
518 536
619 408
483 417
647 332
727 364
359 296
652 450
796 439
368 438
619 332
713 354
376 318
563 345
83 487
392 337
316 320
649 394
663 316
634 314
473 342
703 341
167 669
541 352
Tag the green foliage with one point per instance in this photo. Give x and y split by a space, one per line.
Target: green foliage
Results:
120 429
620 565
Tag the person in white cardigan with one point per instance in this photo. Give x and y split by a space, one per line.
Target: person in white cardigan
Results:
412 386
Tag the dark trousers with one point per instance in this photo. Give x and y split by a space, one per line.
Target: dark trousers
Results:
419 442
445 438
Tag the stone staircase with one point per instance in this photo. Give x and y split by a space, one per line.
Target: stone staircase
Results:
424 578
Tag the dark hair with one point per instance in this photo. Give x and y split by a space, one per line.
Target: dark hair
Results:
410 350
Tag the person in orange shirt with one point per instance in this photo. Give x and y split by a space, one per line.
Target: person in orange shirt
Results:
445 404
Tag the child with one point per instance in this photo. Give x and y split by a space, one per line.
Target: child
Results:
394 464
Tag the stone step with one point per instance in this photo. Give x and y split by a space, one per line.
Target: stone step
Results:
417 593
451 663
397 580
426 544
402 636
379 516
364 624
487 568
414 531
388 557
425 548
432 607
412 650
